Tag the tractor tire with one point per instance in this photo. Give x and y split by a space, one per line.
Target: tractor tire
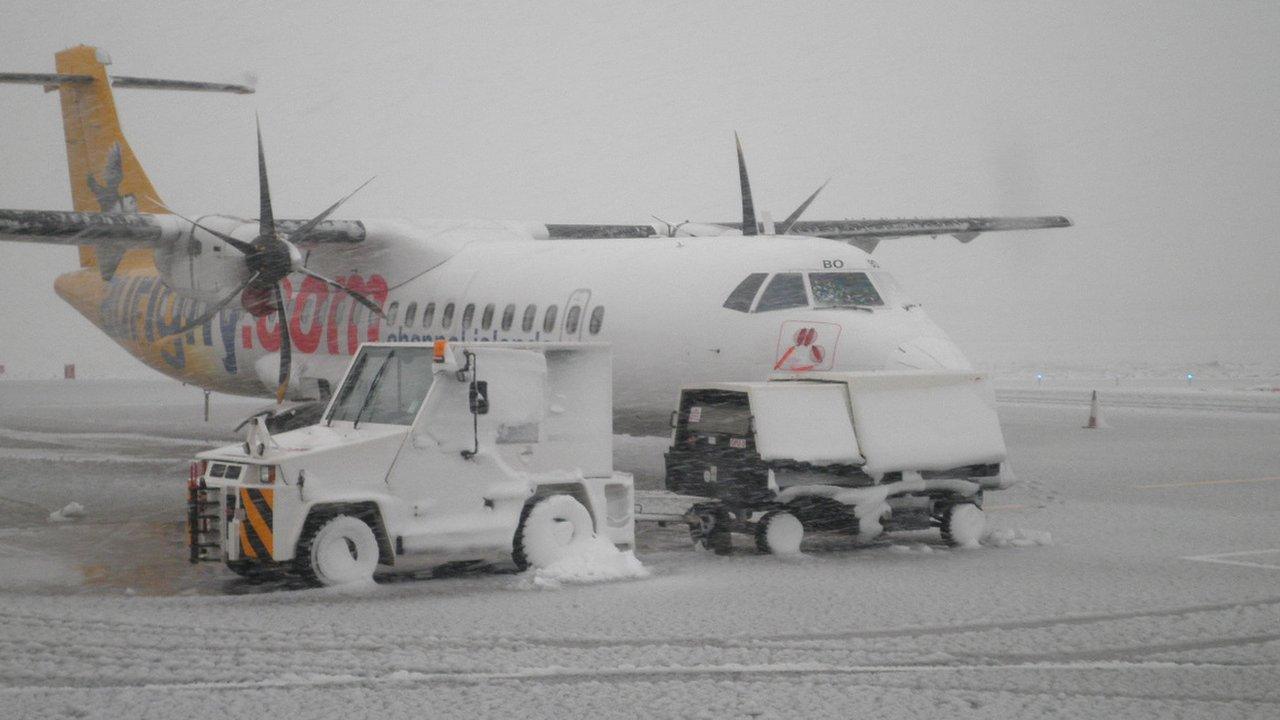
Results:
712 530
963 525
550 528
338 550
779 533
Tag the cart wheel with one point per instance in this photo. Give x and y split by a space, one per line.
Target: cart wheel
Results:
339 551
550 527
779 533
963 525
712 530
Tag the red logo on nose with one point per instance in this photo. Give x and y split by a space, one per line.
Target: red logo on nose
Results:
804 352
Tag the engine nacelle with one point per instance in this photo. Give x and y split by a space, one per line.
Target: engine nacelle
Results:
199 265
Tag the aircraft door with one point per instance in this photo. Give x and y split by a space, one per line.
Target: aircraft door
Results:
575 314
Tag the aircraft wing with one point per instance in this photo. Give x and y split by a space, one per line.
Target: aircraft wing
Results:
964 229
865 234
65 227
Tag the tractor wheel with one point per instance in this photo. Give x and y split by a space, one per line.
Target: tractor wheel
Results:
339 550
779 533
711 530
963 525
550 528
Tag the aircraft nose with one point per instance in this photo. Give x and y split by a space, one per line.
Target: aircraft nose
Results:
929 353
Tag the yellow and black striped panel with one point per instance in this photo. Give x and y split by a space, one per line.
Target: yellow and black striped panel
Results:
255 532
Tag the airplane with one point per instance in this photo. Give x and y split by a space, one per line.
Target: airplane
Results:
681 303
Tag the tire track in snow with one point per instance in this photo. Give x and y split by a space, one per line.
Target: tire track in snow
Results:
75 652
1123 652
353 640
810 672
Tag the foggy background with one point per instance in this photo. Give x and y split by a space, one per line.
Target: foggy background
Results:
1151 125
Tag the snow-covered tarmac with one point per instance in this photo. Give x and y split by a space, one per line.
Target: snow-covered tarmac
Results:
1159 597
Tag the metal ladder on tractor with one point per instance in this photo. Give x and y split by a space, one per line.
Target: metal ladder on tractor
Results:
204 519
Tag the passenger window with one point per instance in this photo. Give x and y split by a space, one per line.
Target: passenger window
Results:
785 290
549 320
391 313
508 316
597 319
486 320
468 314
741 297
411 313
846 289
446 318
530 314
428 314
571 319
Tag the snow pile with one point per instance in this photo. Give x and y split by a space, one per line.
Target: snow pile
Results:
916 548
72 511
592 562
1017 537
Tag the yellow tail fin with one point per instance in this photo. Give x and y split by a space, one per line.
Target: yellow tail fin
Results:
105 174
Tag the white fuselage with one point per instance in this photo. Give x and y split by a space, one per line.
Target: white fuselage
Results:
660 303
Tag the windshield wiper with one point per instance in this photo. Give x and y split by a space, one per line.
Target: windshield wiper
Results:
377 377
864 308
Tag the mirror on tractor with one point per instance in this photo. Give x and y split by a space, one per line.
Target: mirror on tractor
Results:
479 397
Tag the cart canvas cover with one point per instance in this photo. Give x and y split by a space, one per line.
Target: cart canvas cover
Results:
884 421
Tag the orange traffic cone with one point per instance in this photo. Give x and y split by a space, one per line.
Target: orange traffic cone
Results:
1095 414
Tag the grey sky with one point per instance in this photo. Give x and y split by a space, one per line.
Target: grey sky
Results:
1151 124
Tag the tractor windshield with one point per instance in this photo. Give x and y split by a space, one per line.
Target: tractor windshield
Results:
386 385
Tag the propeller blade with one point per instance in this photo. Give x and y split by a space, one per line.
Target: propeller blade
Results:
360 298
671 229
286 345
240 245
266 219
297 235
213 310
748 205
795 215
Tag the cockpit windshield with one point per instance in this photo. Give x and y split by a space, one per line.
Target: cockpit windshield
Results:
386 385
787 290
843 289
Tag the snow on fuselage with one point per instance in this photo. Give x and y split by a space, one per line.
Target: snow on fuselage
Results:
660 303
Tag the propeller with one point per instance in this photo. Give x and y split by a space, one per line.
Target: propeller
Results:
748 204
271 258
673 229
795 214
